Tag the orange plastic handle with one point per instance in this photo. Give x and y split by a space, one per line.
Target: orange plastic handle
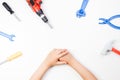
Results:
116 51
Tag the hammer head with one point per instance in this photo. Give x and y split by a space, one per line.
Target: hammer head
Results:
108 48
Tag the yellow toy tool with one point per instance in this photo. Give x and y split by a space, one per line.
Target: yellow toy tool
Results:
10 58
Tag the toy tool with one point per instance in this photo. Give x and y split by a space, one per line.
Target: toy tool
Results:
107 21
10 37
81 13
36 6
110 48
9 9
12 57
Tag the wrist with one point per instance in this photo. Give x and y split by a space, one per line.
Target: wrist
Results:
71 61
47 64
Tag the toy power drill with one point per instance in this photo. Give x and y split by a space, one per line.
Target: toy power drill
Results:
36 6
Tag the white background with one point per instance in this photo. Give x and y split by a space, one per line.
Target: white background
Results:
83 37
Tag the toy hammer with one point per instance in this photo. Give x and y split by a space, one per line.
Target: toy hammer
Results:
110 48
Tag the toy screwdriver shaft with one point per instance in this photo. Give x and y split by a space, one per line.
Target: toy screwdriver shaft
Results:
43 17
10 58
8 8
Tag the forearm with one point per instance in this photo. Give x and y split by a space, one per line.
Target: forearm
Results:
38 74
51 60
84 72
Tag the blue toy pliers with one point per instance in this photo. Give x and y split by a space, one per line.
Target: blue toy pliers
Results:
107 21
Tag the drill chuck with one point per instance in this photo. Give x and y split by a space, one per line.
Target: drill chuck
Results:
44 18
41 14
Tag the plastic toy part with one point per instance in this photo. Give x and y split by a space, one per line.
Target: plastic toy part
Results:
107 21
9 9
81 13
116 51
10 37
110 47
36 6
12 57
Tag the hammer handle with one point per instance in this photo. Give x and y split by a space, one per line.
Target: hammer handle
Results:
116 51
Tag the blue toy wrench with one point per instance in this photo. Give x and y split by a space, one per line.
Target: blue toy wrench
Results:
10 37
81 13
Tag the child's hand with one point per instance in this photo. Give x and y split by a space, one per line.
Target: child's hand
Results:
53 57
61 56
68 58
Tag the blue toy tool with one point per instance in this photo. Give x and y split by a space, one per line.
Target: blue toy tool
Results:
81 13
107 21
10 37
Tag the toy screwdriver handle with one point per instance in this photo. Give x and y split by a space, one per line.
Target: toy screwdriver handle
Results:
14 56
8 7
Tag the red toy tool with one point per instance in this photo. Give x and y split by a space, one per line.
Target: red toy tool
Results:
110 48
36 6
